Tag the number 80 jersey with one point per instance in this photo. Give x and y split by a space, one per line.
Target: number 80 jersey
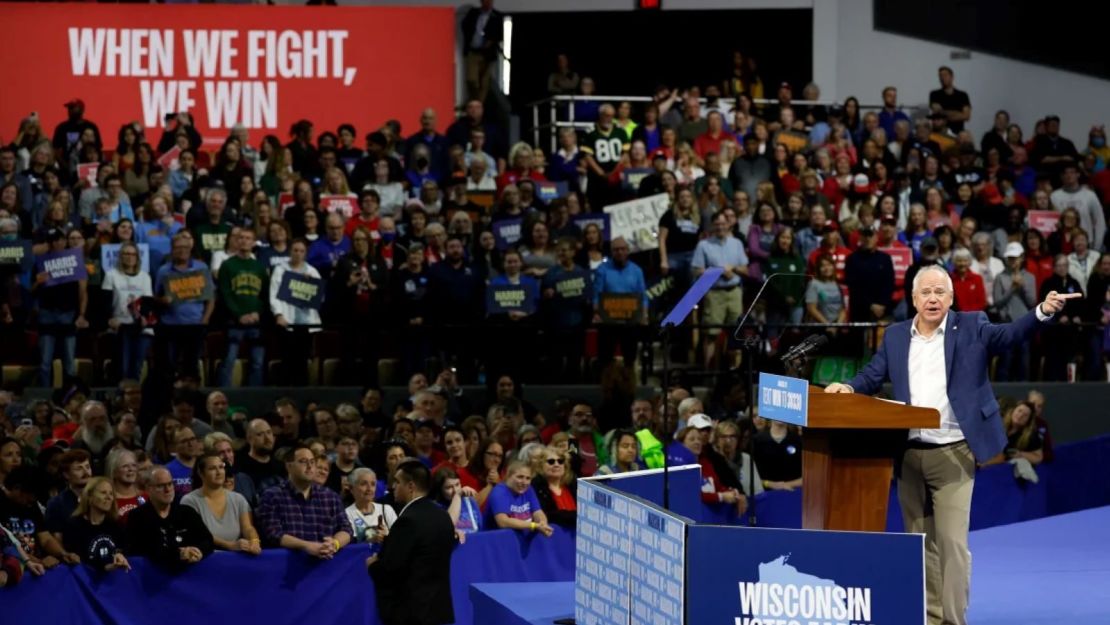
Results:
606 147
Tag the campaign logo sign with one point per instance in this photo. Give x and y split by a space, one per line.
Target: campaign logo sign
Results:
189 286
783 398
507 232
637 221
633 176
86 172
620 307
601 220
16 252
1044 221
573 286
285 200
758 576
62 267
501 299
548 190
345 205
300 290
109 256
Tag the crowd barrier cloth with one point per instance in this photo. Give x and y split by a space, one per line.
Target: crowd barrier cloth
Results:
262 66
277 587
1078 478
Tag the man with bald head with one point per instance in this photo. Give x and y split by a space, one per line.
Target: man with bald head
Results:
325 252
939 359
166 532
256 460
619 276
430 138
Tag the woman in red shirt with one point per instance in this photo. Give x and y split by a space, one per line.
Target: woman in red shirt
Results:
1038 260
556 489
713 491
484 471
454 443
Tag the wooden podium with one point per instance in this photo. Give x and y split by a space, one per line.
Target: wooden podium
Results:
848 458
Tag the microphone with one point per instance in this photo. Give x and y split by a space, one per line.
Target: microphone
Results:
810 345
744 319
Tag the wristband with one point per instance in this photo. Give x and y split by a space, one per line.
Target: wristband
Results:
532 526
255 541
336 541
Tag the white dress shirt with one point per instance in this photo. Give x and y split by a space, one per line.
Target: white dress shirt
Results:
928 373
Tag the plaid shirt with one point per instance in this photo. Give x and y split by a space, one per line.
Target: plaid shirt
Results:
283 510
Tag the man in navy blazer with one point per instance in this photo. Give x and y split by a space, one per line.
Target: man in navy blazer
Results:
939 359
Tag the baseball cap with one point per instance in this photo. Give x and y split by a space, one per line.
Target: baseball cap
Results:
658 153
867 231
700 421
1014 249
930 242
50 443
75 102
861 183
54 234
889 219
785 85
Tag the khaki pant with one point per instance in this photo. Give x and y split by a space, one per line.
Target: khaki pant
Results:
479 70
934 490
722 306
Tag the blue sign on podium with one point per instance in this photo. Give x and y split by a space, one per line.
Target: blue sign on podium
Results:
785 399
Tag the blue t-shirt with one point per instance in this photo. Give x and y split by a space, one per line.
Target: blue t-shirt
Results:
182 478
502 500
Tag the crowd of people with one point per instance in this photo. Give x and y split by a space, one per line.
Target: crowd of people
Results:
87 482
158 247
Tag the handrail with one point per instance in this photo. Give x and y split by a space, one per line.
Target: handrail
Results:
554 123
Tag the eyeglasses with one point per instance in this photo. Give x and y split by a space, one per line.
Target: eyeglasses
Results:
554 461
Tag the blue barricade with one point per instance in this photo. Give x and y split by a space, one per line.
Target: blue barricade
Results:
1077 479
277 587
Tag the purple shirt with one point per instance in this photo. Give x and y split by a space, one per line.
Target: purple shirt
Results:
283 510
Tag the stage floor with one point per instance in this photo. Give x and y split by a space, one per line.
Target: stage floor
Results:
1051 570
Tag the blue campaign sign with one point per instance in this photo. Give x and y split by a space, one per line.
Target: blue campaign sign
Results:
657 562
506 233
502 299
17 252
601 220
784 399
756 576
301 290
693 295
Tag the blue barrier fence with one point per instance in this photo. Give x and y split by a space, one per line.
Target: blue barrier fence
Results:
276 588
280 587
1077 479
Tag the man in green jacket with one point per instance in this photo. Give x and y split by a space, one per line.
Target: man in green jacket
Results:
243 290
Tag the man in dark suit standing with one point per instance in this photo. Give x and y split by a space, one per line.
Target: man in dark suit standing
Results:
412 575
482 30
939 360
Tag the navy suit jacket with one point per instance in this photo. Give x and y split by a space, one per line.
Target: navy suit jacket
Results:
969 342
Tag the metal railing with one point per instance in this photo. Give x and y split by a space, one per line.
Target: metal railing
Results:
560 112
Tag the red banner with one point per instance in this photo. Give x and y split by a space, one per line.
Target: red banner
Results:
263 66
1045 221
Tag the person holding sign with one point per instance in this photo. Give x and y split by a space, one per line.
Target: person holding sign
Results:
568 291
616 277
724 303
295 294
128 284
184 287
939 359
61 288
512 300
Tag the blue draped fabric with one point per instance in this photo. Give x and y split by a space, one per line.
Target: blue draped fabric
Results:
277 587
1077 479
